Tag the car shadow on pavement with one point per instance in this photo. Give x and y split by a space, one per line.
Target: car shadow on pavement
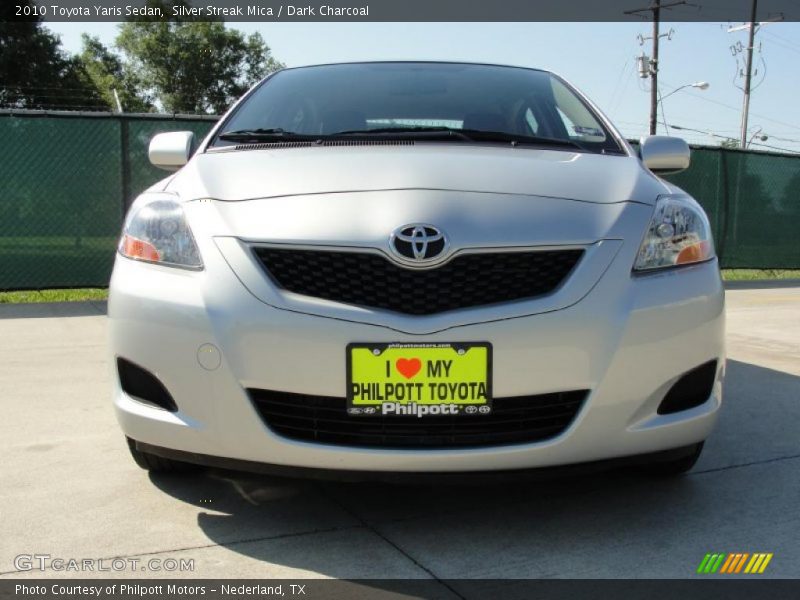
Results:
540 528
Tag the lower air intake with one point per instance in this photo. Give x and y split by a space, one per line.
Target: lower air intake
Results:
324 420
143 385
691 390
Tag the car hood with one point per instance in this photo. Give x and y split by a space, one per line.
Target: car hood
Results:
234 175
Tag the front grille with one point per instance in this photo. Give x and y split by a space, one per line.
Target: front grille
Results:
371 280
323 419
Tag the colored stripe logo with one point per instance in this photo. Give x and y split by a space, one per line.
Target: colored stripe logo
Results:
734 562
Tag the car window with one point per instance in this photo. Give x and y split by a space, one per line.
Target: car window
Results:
325 100
531 122
580 123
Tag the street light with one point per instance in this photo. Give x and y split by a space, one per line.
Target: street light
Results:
700 85
758 135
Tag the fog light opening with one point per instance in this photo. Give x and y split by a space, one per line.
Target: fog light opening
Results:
143 385
691 390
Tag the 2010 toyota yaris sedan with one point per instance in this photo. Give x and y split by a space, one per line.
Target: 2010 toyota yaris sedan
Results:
412 267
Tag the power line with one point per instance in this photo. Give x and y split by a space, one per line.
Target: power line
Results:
780 37
724 137
699 136
772 133
782 45
775 148
783 139
619 81
752 27
624 90
785 124
655 10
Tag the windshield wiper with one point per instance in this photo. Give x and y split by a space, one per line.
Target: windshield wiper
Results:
264 135
472 135
513 138
424 132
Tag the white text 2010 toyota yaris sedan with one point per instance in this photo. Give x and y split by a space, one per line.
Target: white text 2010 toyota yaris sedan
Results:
421 268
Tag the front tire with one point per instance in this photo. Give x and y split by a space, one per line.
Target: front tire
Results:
157 464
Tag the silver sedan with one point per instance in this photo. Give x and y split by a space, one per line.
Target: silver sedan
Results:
408 267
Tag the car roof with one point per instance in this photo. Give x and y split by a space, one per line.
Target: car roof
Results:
416 62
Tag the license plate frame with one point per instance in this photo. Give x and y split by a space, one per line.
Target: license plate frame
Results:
467 391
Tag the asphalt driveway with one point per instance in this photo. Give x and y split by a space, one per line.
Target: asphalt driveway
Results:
70 490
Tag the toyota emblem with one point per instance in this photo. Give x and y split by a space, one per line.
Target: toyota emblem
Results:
418 242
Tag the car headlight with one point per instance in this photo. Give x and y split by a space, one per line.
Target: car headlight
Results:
157 232
679 234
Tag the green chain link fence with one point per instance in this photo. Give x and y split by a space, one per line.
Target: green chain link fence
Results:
66 179
753 202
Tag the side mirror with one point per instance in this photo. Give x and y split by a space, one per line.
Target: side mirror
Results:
663 154
171 150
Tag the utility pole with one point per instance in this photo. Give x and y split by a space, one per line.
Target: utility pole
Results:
748 74
655 9
654 76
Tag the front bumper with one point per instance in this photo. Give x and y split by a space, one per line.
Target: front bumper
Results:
627 341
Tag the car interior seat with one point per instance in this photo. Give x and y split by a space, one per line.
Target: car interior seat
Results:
343 120
485 121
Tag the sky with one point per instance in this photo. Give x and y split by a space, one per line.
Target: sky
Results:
598 58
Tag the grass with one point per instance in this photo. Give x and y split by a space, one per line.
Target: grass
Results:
759 274
76 295
84 294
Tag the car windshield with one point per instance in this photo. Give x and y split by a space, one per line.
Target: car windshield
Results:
418 99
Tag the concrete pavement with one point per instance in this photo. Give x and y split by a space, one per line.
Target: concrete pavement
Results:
70 490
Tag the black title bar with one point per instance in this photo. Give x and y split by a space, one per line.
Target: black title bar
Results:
400 10
707 588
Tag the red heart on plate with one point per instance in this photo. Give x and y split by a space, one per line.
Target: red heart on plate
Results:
408 367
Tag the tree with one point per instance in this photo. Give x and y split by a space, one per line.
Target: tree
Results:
35 72
194 67
108 73
730 144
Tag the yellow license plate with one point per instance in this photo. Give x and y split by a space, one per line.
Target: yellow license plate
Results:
420 380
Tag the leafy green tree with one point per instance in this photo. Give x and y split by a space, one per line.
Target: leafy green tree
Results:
195 66
108 73
730 144
34 70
